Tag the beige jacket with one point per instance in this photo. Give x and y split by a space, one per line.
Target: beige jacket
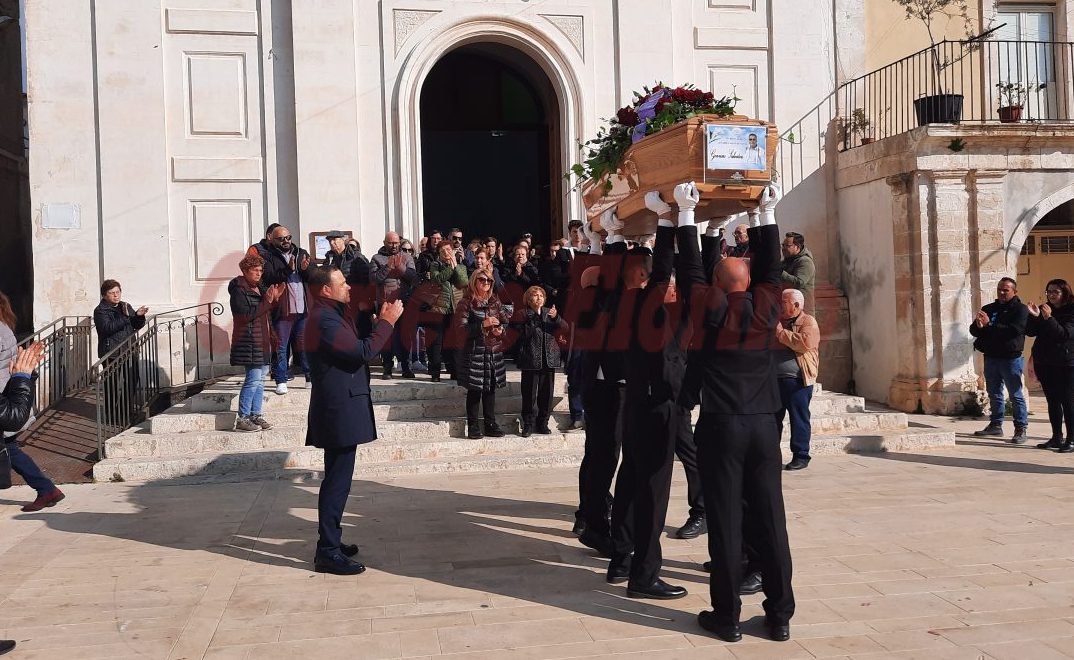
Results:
804 339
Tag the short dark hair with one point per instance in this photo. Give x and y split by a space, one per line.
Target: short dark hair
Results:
434 231
318 277
271 228
1008 279
798 239
1068 295
492 239
455 229
108 285
573 224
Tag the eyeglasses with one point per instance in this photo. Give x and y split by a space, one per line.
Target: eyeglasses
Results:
483 280
283 239
408 249
456 238
1053 292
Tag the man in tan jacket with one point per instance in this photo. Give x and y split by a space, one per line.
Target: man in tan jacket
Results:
797 369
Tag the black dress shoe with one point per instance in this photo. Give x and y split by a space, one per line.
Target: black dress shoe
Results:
778 632
1054 443
543 429
602 544
707 567
797 464
349 549
1067 447
728 632
695 526
751 584
473 431
494 431
435 377
618 570
579 527
658 590
526 431
409 374
337 565
6 645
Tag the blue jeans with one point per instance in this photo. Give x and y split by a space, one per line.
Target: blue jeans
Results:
25 467
288 327
1000 373
252 394
795 398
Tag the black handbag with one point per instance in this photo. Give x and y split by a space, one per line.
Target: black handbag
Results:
5 467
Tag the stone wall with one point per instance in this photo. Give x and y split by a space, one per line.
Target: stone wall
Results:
951 235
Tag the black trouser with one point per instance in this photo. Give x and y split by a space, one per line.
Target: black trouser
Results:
1057 381
603 439
537 389
643 486
740 459
434 343
487 400
332 498
686 450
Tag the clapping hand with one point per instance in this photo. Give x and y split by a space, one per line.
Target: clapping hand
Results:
273 293
395 264
27 359
391 312
1046 311
1033 309
490 322
305 263
981 319
552 312
141 310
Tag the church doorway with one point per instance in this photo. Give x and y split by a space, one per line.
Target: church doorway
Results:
490 146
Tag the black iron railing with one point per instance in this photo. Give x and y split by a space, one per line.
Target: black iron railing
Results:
65 369
974 81
175 349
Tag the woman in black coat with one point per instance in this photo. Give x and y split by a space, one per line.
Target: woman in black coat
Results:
1052 323
519 276
480 319
538 358
114 319
251 343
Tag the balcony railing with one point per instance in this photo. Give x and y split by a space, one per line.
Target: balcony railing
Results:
891 101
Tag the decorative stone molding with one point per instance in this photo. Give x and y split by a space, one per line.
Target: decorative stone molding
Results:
406 21
572 27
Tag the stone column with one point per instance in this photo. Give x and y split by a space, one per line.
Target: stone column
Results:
934 292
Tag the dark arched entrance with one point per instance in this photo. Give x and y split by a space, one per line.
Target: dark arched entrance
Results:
488 145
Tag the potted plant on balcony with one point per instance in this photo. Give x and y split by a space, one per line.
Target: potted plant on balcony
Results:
943 106
857 125
1012 96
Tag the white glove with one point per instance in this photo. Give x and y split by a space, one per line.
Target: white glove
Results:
769 199
687 196
655 203
593 237
716 225
755 217
610 222
647 240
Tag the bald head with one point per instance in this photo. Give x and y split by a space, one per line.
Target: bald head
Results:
732 275
281 238
392 242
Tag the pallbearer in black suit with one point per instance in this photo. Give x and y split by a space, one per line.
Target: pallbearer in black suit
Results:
732 367
341 409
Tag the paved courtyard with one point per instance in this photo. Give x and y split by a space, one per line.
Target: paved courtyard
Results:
965 553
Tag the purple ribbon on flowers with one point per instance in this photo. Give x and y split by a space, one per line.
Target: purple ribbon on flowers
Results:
646 111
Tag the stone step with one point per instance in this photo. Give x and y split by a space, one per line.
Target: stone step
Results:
407 437
509 453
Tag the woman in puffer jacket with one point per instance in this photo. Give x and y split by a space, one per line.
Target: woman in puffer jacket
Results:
251 343
481 319
538 358
1052 323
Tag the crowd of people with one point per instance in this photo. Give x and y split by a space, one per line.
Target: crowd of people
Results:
646 329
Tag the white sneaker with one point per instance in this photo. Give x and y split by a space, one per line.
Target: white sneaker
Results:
281 388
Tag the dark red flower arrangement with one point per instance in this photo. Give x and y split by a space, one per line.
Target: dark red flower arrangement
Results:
651 112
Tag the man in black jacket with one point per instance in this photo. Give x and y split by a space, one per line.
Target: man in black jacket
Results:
1000 331
287 264
343 256
341 409
732 372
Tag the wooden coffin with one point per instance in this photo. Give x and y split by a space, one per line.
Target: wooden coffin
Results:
674 155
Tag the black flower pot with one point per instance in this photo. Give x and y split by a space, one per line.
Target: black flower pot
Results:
938 109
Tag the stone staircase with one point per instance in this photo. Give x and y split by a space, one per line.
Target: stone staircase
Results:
421 428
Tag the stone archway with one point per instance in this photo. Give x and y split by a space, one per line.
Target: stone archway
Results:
407 203
1029 219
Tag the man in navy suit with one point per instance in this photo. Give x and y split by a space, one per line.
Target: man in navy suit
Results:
341 409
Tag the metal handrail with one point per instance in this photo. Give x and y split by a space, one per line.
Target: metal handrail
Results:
128 378
65 368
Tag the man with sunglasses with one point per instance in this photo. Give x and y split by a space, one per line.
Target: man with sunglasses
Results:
463 255
287 264
999 331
